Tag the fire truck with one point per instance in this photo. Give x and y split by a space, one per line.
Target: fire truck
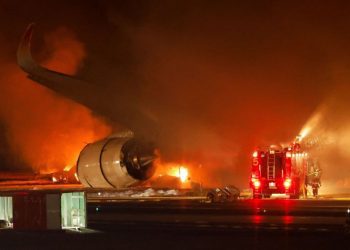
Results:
279 171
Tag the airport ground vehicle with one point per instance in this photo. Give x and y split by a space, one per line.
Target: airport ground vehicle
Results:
226 194
279 171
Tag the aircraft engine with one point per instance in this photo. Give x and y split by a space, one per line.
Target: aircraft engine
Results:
116 162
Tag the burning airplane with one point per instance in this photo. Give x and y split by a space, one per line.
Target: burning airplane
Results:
118 161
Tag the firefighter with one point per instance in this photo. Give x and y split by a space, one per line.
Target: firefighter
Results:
315 180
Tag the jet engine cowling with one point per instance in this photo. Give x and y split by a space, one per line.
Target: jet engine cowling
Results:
116 162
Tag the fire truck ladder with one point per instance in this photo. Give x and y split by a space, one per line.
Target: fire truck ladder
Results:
271 161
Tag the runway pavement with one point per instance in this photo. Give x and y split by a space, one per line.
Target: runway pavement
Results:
283 214
191 224
242 224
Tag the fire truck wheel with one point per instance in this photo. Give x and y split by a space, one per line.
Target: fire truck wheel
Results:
257 196
294 196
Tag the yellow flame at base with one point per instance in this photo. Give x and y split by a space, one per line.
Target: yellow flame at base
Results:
181 172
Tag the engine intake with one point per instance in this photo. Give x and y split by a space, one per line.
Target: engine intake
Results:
116 162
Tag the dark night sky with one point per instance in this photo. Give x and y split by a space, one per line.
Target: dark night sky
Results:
219 77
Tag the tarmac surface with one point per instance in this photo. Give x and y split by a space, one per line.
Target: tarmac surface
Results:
191 223
242 224
281 214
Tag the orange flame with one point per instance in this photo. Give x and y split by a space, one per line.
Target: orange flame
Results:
181 172
45 130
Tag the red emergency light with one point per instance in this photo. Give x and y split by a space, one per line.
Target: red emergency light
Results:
256 183
287 183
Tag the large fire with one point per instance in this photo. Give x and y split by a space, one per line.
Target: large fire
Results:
189 173
180 170
47 131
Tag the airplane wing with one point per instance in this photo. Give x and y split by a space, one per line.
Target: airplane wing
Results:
61 83
96 98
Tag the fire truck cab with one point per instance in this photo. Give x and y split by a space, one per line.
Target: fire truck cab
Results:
277 171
